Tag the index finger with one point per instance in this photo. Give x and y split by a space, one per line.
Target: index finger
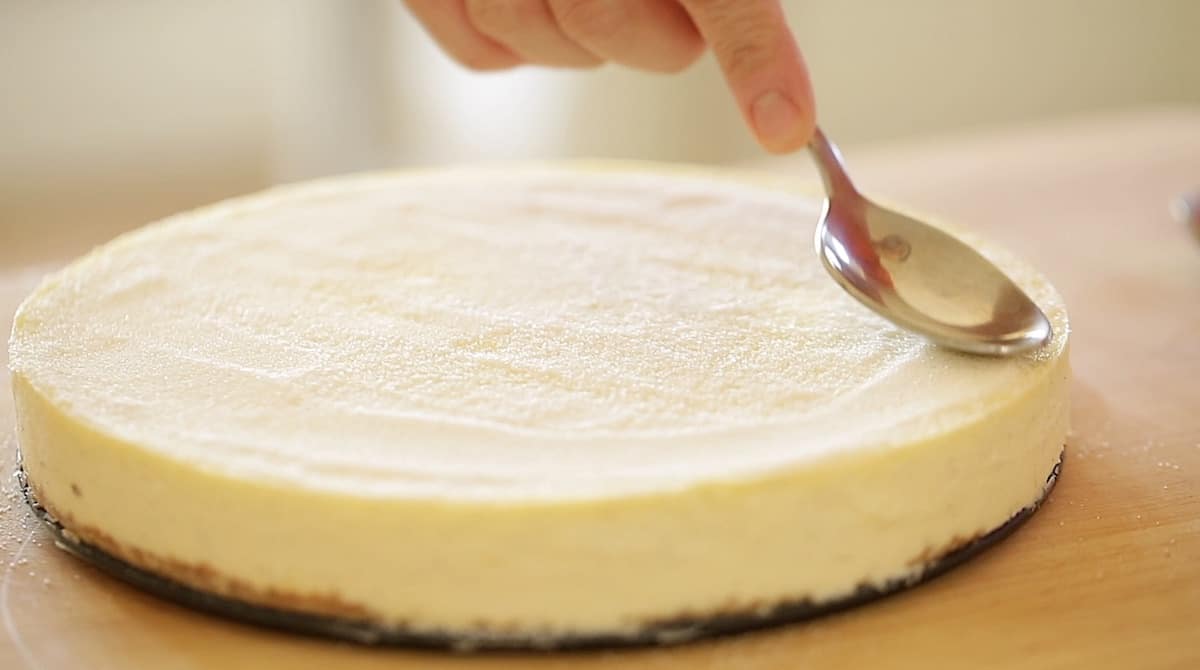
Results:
763 68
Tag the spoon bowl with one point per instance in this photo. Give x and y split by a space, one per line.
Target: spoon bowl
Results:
918 276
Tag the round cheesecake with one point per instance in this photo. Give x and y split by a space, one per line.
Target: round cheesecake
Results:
516 406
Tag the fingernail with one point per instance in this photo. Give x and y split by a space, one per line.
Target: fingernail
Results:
776 119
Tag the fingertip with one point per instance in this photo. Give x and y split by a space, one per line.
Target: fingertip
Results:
781 123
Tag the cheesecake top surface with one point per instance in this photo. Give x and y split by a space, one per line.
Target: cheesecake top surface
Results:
500 333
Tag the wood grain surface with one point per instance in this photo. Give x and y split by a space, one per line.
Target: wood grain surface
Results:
1107 575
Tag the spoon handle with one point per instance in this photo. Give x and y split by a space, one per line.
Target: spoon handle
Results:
829 163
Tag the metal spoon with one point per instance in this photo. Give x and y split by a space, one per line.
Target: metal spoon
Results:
1186 209
915 275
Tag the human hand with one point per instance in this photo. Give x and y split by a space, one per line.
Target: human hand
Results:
756 50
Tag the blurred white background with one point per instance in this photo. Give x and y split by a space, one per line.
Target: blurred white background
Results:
170 104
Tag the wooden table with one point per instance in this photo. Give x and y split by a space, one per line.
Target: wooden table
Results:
1107 575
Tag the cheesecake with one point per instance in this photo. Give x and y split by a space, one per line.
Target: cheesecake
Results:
515 406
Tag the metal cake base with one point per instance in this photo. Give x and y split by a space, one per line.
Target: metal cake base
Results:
667 631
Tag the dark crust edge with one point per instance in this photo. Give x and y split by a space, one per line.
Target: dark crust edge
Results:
665 631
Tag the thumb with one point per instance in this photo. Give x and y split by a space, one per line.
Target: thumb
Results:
762 66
